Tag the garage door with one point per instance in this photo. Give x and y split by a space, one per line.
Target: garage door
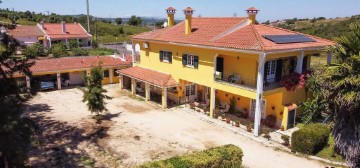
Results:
75 78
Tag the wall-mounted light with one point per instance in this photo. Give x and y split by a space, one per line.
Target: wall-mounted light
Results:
238 57
146 45
273 107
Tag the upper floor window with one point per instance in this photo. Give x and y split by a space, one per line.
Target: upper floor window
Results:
166 56
190 60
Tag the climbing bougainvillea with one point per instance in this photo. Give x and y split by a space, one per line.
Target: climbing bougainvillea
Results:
295 80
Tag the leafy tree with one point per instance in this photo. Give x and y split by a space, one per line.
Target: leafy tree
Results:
34 51
94 94
118 21
135 21
73 44
58 50
340 87
121 30
80 52
15 130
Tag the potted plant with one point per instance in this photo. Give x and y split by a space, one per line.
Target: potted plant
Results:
216 115
249 128
237 124
223 117
282 128
267 134
228 120
286 140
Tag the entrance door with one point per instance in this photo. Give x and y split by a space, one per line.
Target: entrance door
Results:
253 107
291 119
220 65
190 92
271 71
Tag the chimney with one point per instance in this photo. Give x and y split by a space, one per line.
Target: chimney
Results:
171 13
188 17
42 24
63 27
252 12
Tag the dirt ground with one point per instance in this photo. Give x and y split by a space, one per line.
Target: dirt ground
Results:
132 132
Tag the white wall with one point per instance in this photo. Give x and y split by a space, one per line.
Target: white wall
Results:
75 78
27 40
129 47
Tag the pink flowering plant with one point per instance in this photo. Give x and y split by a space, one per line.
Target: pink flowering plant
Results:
295 80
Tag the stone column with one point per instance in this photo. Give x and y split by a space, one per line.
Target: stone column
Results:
121 81
111 75
28 85
147 91
212 102
259 92
164 98
133 86
300 60
58 77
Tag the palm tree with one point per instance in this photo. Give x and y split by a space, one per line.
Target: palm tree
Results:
341 88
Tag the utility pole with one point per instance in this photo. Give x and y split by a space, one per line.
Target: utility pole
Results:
48 14
88 15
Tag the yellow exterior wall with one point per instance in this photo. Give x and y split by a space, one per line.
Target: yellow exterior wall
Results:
274 100
243 103
204 74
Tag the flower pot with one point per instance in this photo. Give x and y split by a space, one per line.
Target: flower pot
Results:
228 120
237 124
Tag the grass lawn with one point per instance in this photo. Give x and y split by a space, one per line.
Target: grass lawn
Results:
328 152
318 60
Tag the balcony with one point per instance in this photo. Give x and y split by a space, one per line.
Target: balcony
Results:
243 82
235 80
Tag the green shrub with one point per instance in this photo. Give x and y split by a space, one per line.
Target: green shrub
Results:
34 51
73 44
228 156
59 50
270 121
310 139
80 52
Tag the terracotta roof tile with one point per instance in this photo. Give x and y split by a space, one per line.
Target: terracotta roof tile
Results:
73 30
26 31
171 9
229 33
82 62
151 76
252 9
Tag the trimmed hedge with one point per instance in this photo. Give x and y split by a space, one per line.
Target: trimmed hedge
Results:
228 156
310 139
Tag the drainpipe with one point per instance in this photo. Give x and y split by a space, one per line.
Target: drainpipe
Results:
259 94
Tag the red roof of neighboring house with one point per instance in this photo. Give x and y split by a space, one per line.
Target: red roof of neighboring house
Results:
232 32
151 76
81 62
73 30
26 31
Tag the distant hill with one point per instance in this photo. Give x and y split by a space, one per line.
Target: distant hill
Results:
321 27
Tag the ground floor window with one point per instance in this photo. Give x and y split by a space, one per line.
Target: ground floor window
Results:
106 73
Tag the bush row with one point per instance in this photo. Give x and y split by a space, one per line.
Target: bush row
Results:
310 139
228 156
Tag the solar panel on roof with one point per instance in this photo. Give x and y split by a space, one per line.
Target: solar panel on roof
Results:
285 39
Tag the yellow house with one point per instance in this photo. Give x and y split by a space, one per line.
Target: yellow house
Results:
213 60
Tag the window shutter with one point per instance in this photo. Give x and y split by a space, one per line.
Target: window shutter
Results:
292 65
266 67
170 57
304 66
184 59
196 61
161 56
278 74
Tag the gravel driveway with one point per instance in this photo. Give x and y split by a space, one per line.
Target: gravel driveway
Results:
141 132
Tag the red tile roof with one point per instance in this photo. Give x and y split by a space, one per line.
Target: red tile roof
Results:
73 30
252 9
170 9
81 62
151 76
232 32
26 31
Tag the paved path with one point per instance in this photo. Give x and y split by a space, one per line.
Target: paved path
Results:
161 134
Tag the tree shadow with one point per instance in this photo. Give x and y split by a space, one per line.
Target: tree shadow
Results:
60 144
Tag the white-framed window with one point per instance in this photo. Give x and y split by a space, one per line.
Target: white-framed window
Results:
190 60
167 56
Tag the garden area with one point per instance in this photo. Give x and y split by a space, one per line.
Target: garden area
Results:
62 50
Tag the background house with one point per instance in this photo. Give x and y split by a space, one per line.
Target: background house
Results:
27 35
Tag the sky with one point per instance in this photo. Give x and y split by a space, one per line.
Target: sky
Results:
270 9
